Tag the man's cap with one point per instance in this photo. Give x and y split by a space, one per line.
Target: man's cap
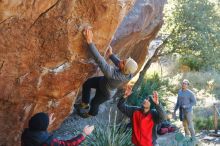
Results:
39 122
130 66
186 81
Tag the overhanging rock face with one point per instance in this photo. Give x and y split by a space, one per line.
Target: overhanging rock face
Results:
44 59
138 28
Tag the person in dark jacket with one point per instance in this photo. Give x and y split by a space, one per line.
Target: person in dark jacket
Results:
37 135
106 86
143 118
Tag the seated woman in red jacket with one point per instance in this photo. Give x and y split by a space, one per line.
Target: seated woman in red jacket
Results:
143 118
37 135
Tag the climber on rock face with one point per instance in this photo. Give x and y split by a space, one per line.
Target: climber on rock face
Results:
106 86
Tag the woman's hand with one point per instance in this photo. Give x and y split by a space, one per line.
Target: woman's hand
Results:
128 90
155 98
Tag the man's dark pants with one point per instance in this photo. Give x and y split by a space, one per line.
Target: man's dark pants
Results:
98 99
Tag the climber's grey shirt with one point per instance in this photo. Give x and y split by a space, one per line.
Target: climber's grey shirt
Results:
113 77
185 100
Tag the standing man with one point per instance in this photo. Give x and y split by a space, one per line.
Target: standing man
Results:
37 135
185 102
143 118
106 86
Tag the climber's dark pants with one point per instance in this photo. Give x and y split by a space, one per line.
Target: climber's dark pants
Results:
98 99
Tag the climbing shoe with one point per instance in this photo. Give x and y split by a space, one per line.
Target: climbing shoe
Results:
85 115
195 140
81 106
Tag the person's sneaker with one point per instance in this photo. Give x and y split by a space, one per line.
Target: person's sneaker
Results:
81 106
194 140
85 115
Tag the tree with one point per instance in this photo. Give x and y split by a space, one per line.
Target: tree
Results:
193 27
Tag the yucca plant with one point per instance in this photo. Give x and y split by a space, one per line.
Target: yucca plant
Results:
109 134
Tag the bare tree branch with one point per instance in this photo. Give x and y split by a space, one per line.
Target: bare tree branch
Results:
154 57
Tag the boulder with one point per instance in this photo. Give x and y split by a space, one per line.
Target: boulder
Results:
138 29
44 59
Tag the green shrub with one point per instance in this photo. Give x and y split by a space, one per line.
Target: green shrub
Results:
150 84
109 134
203 123
208 81
193 62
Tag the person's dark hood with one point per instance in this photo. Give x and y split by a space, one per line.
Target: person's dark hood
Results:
33 138
39 122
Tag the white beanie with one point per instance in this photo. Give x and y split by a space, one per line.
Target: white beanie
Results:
130 66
